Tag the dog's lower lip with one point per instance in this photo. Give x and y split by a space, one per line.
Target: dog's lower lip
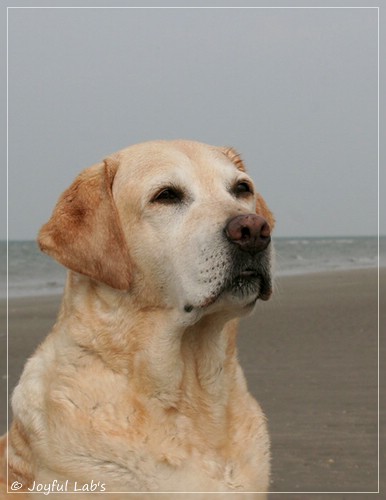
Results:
241 279
248 273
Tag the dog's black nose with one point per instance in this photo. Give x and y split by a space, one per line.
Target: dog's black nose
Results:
250 232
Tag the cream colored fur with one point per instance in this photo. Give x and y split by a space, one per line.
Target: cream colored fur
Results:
138 386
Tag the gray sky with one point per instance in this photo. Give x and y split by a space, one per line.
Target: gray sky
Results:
294 90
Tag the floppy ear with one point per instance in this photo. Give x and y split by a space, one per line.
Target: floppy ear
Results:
84 232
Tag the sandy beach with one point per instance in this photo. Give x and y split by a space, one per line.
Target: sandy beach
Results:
310 356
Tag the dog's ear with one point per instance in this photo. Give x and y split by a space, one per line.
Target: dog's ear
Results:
235 158
263 210
84 232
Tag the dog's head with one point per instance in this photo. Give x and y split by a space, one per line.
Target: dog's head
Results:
177 224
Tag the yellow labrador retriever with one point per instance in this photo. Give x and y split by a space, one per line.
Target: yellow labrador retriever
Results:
138 387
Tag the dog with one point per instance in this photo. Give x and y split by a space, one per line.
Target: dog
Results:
138 387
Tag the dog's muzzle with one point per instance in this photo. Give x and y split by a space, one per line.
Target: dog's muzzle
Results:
245 270
250 236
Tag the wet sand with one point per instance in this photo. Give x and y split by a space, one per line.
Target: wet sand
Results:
310 356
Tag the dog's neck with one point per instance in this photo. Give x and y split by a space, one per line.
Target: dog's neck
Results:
113 327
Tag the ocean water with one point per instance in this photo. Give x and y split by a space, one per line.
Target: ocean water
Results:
31 272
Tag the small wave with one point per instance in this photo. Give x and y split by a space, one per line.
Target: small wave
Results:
298 242
364 260
344 242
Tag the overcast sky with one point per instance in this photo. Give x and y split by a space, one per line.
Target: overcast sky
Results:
294 90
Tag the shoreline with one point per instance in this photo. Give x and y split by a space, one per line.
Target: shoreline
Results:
310 357
278 276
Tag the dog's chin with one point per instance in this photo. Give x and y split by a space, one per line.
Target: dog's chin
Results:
248 284
245 289
240 292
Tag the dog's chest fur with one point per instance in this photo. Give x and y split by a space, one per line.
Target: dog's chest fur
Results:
212 437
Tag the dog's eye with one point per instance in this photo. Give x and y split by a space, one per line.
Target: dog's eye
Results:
242 188
168 196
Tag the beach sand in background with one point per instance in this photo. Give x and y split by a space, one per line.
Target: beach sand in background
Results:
310 357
